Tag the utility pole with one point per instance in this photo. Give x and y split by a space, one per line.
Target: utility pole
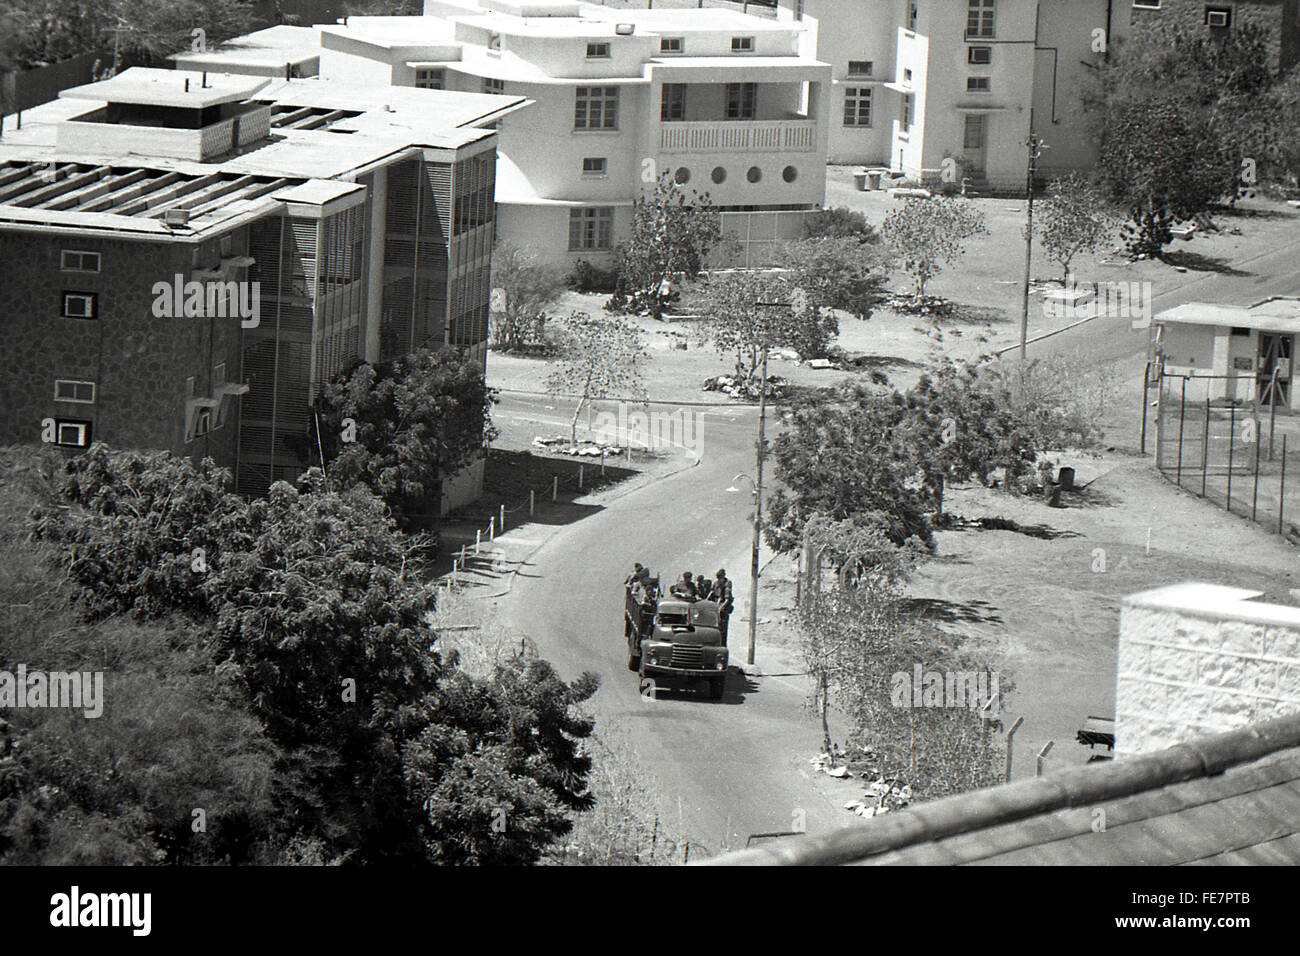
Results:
1034 144
759 448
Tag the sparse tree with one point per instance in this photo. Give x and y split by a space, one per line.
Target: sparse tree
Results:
1074 220
753 313
671 234
523 288
600 357
929 233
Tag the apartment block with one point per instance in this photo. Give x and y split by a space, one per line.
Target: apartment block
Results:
723 101
920 86
186 257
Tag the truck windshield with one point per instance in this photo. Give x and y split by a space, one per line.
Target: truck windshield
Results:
673 619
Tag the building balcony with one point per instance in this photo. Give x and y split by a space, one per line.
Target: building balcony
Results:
732 136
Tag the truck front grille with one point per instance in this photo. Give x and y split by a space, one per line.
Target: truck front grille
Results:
688 655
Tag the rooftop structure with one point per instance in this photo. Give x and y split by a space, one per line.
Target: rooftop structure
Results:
281 51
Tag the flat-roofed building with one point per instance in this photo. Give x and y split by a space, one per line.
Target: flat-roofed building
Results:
320 225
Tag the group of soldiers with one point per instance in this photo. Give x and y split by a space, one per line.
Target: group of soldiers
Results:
687 589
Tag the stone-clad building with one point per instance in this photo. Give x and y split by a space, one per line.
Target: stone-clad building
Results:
186 257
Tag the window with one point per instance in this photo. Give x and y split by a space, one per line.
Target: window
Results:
906 122
789 174
911 17
595 107
218 375
740 100
907 77
493 86
742 44
671 45
1240 330
68 390
978 84
71 433
226 243
80 305
595 166
72 261
1147 4
1218 17
591 228
597 51
860 67
980 19
682 176
203 422
494 43
979 55
973 135
857 106
719 175
430 79
189 387
673 105
755 175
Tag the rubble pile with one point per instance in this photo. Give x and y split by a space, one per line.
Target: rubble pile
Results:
739 388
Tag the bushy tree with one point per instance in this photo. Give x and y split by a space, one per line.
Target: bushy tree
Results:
523 288
839 273
320 632
398 428
839 222
927 234
1073 220
600 357
671 234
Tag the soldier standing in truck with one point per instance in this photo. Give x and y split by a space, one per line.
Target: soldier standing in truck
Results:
726 601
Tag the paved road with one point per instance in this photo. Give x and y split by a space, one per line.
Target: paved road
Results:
730 768
739 766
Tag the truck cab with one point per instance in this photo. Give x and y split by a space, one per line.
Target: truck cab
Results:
674 638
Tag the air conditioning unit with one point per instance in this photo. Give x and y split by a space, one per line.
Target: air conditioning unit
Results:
625 29
1218 17
176 217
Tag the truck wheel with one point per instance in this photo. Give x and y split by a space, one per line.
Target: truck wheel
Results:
717 687
633 662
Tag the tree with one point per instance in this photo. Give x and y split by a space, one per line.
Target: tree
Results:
671 234
755 312
325 639
839 222
1217 119
399 427
523 288
1073 220
600 357
928 233
839 273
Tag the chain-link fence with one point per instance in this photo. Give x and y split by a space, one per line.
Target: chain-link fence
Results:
1242 455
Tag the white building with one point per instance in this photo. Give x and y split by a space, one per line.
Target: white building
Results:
724 101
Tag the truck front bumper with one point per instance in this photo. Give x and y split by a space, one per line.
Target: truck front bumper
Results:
684 671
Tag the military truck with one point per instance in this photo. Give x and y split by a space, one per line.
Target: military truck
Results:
668 637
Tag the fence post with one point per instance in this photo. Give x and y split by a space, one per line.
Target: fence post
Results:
532 502
555 487
1182 410
580 470
1254 497
1042 756
492 528
1281 488
502 523
1232 434
1272 412
478 539
1146 388
1205 447
602 461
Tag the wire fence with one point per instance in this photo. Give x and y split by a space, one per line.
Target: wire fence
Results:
1243 455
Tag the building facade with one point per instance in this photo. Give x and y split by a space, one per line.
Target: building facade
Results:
188 257
924 86
723 102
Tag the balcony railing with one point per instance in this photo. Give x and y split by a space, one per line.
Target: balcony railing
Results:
736 136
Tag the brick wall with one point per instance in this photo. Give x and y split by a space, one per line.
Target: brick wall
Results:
139 362
1198 659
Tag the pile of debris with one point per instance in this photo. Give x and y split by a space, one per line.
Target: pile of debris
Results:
561 445
747 390
882 794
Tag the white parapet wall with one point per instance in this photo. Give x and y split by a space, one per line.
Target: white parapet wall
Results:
1199 659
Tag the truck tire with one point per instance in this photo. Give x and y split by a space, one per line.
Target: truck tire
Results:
633 661
717 687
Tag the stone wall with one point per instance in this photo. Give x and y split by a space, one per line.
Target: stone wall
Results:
1279 17
1199 659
